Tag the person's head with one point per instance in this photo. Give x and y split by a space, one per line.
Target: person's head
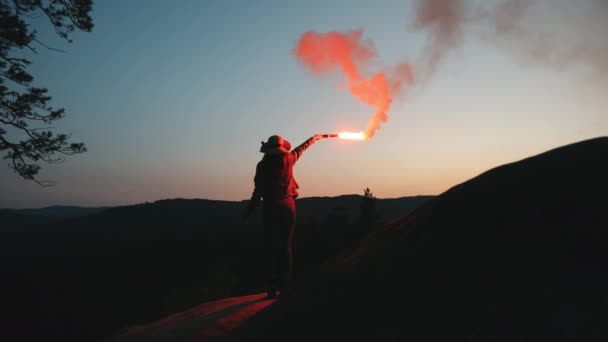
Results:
275 144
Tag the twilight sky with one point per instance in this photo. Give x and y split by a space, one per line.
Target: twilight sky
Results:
173 98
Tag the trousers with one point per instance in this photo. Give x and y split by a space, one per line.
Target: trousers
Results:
279 217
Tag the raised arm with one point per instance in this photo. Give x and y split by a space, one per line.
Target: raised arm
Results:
297 152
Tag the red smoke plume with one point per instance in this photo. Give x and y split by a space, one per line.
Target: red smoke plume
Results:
348 52
560 33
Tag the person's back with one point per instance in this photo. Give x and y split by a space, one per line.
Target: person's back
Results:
276 171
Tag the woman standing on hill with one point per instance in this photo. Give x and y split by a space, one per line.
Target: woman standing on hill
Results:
274 182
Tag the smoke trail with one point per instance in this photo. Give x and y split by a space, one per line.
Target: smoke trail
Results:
349 53
557 33
560 34
444 19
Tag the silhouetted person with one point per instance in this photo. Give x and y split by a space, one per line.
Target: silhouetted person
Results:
275 184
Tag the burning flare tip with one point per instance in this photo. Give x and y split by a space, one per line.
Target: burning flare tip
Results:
352 135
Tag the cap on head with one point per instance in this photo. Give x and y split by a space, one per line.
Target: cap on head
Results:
275 144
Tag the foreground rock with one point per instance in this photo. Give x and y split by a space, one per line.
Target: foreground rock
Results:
518 253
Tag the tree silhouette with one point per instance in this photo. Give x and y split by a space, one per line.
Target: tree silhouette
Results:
23 105
368 209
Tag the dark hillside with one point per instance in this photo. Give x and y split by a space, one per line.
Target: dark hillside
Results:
27 217
87 277
518 253
59 211
11 219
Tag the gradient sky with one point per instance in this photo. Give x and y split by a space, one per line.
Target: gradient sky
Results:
173 98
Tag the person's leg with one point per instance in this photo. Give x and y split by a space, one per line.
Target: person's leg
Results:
287 230
270 245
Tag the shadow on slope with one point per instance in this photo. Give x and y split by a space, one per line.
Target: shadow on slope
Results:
206 322
517 253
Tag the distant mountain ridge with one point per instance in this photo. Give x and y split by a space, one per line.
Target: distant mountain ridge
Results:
307 207
57 211
27 217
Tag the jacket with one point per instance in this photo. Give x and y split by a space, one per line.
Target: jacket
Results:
274 175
